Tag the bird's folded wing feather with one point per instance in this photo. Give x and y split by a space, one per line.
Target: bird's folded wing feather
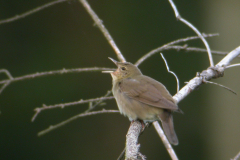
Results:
148 91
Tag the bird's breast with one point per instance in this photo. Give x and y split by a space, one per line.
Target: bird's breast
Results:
134 109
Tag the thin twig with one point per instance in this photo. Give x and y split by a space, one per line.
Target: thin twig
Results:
204 50
103 29
98 102
62 105
229 89
165 141
195 30
233 65
157 50
17 17
195 49
120 157
7 73
141 156
74 118
170 71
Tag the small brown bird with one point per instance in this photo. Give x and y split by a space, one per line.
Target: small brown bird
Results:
142 98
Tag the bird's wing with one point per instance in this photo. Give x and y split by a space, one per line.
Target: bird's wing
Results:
148 91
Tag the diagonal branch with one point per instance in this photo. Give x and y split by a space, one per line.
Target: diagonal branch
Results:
228 58
233 65
229 89
165 141
103 29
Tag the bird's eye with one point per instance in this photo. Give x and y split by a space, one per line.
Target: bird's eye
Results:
123 68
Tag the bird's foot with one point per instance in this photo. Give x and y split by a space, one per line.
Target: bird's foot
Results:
144 125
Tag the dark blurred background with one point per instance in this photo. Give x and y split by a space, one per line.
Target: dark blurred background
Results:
64 36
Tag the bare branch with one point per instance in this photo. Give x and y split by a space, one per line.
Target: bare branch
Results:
165 141
202 50
74 118
229 89
98 102
170 71
75 70
212 72
229 57
195 30
159 49
62 105
233 65
6 72
23 15
103 29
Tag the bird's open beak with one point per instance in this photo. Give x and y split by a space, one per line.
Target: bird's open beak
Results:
114 61
107 71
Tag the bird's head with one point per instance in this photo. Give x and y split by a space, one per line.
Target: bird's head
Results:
124 70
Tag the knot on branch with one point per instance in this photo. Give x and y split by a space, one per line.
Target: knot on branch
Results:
212 72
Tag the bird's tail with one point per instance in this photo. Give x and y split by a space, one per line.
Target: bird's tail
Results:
167 124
